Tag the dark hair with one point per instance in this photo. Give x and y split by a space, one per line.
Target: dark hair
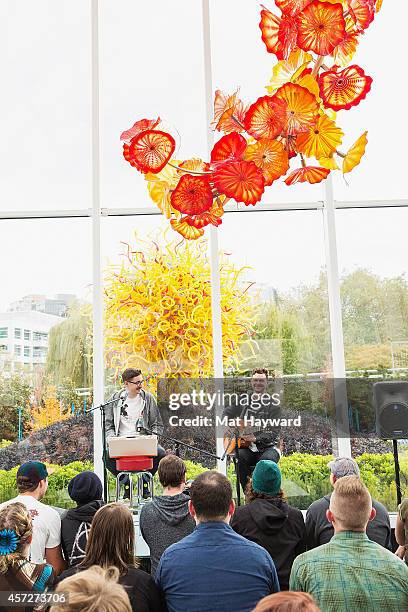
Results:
25 485
111 539
250 495
172 471
130 373
211 495
287 601
260 371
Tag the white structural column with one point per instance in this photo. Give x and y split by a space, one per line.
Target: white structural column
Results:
336 322
98 369
213 242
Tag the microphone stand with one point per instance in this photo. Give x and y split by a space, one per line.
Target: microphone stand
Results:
102 407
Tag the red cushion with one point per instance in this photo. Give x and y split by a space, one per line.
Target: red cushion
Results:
134 464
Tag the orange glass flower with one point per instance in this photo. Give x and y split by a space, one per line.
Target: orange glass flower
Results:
321 140
241 180
149 151
212 216
265 118
345 88
321 27
345 50
308 174
140 126
292 7
355 153
362 12
230 146
278 33
229 113
187 231
302 108
271 157
192 195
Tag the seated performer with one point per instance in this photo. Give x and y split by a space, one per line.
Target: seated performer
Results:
263 444
134 409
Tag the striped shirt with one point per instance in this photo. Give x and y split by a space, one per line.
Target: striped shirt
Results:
352 573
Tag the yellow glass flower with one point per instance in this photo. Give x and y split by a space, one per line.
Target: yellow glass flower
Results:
284 70
160 186
321 140
355 153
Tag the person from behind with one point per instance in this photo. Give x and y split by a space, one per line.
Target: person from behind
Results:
319 530
86 490
214 569
17 573
93 590
167 519
269 521
351 572
401 531
287 601
111 543
32 485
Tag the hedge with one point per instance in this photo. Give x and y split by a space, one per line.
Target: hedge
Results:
305 478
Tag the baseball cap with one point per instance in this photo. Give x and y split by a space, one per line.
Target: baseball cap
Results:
34 471
344 466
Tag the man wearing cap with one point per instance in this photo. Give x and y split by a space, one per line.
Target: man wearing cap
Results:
32 484
86 490
320 531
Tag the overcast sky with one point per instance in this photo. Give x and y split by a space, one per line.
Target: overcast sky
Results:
151 64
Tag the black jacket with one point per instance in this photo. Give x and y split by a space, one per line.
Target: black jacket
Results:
275 526
143 593
74 531
320 531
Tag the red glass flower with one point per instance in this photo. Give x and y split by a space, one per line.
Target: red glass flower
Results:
241 180
149 151
140 126
231 146
265 118
345 88
321 27
362 12
192 195
309 174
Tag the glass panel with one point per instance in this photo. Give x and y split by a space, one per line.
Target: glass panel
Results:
374 286
45 380
46 96
168 82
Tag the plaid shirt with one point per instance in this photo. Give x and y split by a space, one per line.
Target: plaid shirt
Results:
352 573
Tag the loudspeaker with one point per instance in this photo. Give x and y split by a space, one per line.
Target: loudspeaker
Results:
391 409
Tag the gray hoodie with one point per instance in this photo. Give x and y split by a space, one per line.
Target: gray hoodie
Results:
165 521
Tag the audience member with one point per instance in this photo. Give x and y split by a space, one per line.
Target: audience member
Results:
269 521
111 542
17 573
32 484
93 590
166 519
86 490
401 531
318 528
351 572
287 601
214 569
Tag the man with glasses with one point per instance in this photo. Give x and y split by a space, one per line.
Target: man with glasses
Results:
133 409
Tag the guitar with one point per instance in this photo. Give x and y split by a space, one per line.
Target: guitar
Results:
243 433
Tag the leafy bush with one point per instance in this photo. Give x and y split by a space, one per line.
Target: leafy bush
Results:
305 478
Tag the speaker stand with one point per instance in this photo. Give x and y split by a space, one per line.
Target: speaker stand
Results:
397 471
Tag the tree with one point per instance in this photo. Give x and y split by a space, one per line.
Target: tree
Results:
49 411
275 323
70 349
15 393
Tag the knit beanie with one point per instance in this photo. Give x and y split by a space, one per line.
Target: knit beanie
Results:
85 487
266 478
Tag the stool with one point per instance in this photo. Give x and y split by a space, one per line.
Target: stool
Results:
137 465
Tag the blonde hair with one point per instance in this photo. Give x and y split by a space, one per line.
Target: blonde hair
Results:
93 590
287 601
351 503
15 517
111 540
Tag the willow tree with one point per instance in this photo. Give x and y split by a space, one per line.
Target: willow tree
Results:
158 311
69 350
